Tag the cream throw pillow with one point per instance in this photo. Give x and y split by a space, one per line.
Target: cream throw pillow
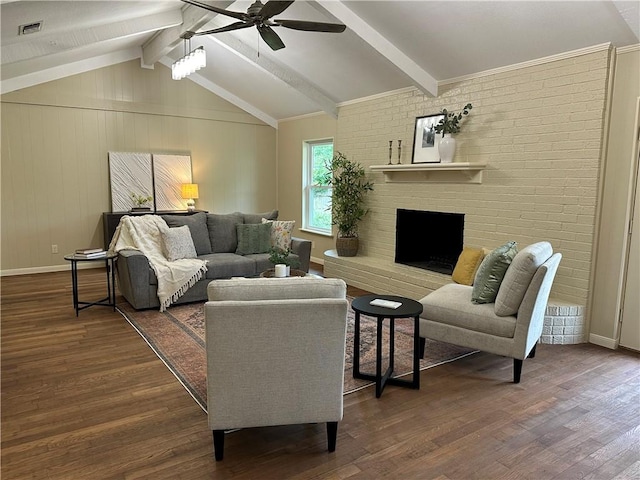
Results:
177 243
467 265
281 233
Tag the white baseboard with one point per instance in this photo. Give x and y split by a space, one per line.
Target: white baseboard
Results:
603 341
317 260
48 269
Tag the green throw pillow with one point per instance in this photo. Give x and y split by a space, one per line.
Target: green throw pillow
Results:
491 273
253 238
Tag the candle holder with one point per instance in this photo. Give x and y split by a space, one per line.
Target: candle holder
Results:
399 151
390 151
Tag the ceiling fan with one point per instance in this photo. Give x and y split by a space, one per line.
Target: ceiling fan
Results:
259 15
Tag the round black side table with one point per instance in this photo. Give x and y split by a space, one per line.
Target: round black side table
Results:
109 260
408 308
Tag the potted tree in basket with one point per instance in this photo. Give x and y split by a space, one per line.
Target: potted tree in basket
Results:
349 184
448 125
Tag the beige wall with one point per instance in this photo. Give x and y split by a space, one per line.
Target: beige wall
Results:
539 128
616 191
55 141
291 136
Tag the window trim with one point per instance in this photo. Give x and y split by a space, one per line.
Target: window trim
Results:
307 177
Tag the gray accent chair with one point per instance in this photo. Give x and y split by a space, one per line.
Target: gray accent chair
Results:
275 354
512 325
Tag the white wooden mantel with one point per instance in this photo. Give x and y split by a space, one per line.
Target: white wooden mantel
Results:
456 172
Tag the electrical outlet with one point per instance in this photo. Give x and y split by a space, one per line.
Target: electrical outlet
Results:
54 248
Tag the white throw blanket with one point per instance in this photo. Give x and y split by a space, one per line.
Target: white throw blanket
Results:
143 233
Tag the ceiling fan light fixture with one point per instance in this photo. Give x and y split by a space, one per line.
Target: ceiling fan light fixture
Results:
190 63
260 15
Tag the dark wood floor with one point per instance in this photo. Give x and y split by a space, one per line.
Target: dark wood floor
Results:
86 398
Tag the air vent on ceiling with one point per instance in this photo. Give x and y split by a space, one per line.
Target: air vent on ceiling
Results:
28 28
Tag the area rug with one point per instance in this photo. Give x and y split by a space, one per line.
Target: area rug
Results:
177 337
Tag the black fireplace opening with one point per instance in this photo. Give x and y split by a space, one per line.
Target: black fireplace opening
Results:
429 240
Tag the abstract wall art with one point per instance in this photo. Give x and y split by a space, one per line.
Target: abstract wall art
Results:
130 173
169 173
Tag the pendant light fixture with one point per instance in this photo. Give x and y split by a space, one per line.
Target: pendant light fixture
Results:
190 62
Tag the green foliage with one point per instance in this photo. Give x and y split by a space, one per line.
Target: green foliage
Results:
451 121
278 255
139 200
321 158
322 220
349 189
320 206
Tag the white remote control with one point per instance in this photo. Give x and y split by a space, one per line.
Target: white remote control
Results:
379 302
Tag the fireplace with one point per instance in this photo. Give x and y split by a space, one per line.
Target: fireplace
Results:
429 240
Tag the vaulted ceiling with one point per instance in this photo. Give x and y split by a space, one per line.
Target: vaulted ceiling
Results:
387 46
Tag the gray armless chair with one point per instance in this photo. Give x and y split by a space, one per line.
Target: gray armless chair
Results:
275 354
512 325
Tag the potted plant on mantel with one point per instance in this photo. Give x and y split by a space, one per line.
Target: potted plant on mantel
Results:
348 181
448 125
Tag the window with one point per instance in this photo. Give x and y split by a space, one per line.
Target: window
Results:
316 201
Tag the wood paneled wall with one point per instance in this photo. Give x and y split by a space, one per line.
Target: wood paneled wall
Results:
55 141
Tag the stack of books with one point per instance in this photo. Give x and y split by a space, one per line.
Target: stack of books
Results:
91 253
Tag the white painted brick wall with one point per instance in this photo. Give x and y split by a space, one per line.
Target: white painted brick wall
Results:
564 323
540 130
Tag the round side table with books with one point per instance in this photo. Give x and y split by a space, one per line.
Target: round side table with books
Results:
95 256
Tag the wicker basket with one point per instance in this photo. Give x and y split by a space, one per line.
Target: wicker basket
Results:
347 246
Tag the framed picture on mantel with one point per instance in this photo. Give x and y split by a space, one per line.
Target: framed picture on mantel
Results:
425 139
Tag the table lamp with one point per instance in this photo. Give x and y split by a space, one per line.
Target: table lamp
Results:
190 192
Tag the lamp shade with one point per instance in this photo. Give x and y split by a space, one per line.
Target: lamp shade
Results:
189 190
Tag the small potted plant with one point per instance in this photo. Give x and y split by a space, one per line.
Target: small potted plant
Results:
350 186
449 125
140 202
279 256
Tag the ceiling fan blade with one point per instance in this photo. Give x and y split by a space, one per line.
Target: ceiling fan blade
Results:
311 26
221 11
273 7
270 37
227 28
